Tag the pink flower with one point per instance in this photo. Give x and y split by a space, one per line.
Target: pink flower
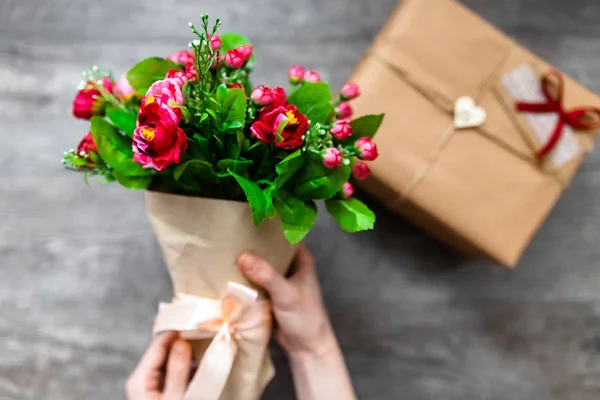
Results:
234 59
341 130
262 95
282 126
347 190
296 74
332 158
344 110
246 51
123 89
89 101
367 150
177 76
350 91
312 76
361 171
182 57
190 71
158 142
164 92
215 42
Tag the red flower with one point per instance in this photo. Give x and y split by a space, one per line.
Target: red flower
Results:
246 51
361 171
279 97
234 59
158 141
341 130
190 71
236 86
87 145
182 57
281 126
89 101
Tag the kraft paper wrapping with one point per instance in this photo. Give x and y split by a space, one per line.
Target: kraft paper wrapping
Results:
481 191
201 240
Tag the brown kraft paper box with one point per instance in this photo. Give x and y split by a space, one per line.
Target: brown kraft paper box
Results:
482 191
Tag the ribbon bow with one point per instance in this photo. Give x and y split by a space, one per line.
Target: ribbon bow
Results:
583 118
237 316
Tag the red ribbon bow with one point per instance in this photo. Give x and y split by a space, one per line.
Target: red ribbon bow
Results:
585 118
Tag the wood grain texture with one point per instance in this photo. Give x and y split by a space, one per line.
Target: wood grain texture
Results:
81 273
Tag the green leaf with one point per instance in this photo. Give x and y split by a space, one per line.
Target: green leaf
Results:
123 120
203 169
148 71
113 147
128 175
366 126
314 101
297 216
115 150
233 109
256 198
270 209
317 182
352 214
237 166
288 167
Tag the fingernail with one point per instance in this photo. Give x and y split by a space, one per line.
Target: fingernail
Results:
180 347
247 262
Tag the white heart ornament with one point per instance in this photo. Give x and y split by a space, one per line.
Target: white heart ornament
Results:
467 114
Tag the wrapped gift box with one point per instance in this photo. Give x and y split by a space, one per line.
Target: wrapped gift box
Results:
482 190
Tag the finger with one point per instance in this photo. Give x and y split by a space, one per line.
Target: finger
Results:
304 264
147 373
178 370
261 273
156 355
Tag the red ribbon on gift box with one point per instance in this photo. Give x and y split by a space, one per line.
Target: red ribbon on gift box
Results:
584 118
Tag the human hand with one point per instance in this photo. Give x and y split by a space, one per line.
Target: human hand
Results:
149 381
303 327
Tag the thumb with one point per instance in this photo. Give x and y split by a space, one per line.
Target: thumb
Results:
261 273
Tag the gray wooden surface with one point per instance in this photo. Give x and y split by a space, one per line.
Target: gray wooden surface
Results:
80 272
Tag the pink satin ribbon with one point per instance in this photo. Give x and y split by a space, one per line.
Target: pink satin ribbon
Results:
237 316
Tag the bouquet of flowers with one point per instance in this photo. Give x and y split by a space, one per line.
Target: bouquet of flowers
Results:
227 167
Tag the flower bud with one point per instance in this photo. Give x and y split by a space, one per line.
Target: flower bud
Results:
361 171
312 76
347 190
332 158
344 110
182 57
341 130
89 101
215 42
367 150
296 74
234 59
262 95
246 51
350 91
